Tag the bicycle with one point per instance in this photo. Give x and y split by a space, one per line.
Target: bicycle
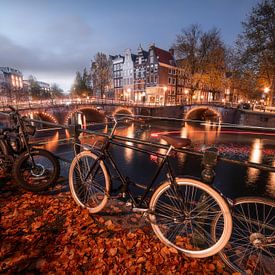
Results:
181 210
33 169
251 247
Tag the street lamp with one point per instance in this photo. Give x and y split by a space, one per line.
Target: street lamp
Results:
266 90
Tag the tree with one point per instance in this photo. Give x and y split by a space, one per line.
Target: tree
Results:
239 79
35 89
56 91
81 85
202 58
101 74
256 45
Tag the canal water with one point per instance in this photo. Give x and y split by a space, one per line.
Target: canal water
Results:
232 180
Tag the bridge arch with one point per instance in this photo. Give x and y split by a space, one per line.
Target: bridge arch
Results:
85 115
204 113
43 116
123 111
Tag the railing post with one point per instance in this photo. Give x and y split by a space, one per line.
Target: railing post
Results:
74 131
209 161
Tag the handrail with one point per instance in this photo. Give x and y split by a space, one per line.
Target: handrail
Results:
156 145
186 151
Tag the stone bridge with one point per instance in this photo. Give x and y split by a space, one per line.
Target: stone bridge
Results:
87 112
64 114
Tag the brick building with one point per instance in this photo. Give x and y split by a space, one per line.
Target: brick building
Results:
149 77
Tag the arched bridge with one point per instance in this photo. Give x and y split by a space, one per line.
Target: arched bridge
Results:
94 112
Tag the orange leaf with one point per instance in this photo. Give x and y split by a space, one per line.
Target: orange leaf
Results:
141 260
113 251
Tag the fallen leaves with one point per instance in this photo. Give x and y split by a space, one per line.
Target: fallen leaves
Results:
51 234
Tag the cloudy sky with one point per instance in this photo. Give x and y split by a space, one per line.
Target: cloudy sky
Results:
52 39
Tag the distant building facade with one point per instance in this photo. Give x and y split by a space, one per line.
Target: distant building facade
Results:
11 84
128 75
140 76
154 77
117 74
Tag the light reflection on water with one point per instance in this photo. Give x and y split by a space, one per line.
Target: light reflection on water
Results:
255 157
206 134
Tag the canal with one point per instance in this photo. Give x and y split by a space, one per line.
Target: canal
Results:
232 180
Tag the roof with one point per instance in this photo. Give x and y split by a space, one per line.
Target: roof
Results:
164 56
134 56
145 54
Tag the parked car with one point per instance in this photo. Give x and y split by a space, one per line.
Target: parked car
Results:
244 106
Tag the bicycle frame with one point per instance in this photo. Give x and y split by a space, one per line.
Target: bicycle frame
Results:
104 154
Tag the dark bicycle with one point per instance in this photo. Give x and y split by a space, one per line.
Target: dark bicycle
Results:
181 210
34 169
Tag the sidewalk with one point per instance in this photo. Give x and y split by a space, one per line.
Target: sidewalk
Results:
48 233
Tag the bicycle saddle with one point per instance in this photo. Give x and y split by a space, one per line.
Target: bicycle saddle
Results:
177 142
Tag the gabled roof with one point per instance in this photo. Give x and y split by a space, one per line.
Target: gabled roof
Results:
118 56
164 56
145 54
134 57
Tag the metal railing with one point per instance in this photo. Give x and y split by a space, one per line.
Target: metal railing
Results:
115 102
75 131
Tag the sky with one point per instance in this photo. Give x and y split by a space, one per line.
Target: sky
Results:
53 39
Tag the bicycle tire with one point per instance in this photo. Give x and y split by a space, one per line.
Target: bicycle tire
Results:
40 178
170 207
253 224
92 193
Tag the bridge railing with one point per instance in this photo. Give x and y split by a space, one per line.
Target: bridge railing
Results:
110 101
76 130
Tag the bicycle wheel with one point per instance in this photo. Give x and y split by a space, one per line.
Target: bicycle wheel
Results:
251 248
181 216
89 181
40 176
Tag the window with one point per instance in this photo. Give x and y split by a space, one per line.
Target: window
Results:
169 80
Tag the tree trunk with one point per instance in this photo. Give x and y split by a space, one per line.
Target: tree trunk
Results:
272 91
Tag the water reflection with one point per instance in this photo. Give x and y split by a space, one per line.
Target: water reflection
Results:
201 134
128 131
255 157
205 134
52 143
271 182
